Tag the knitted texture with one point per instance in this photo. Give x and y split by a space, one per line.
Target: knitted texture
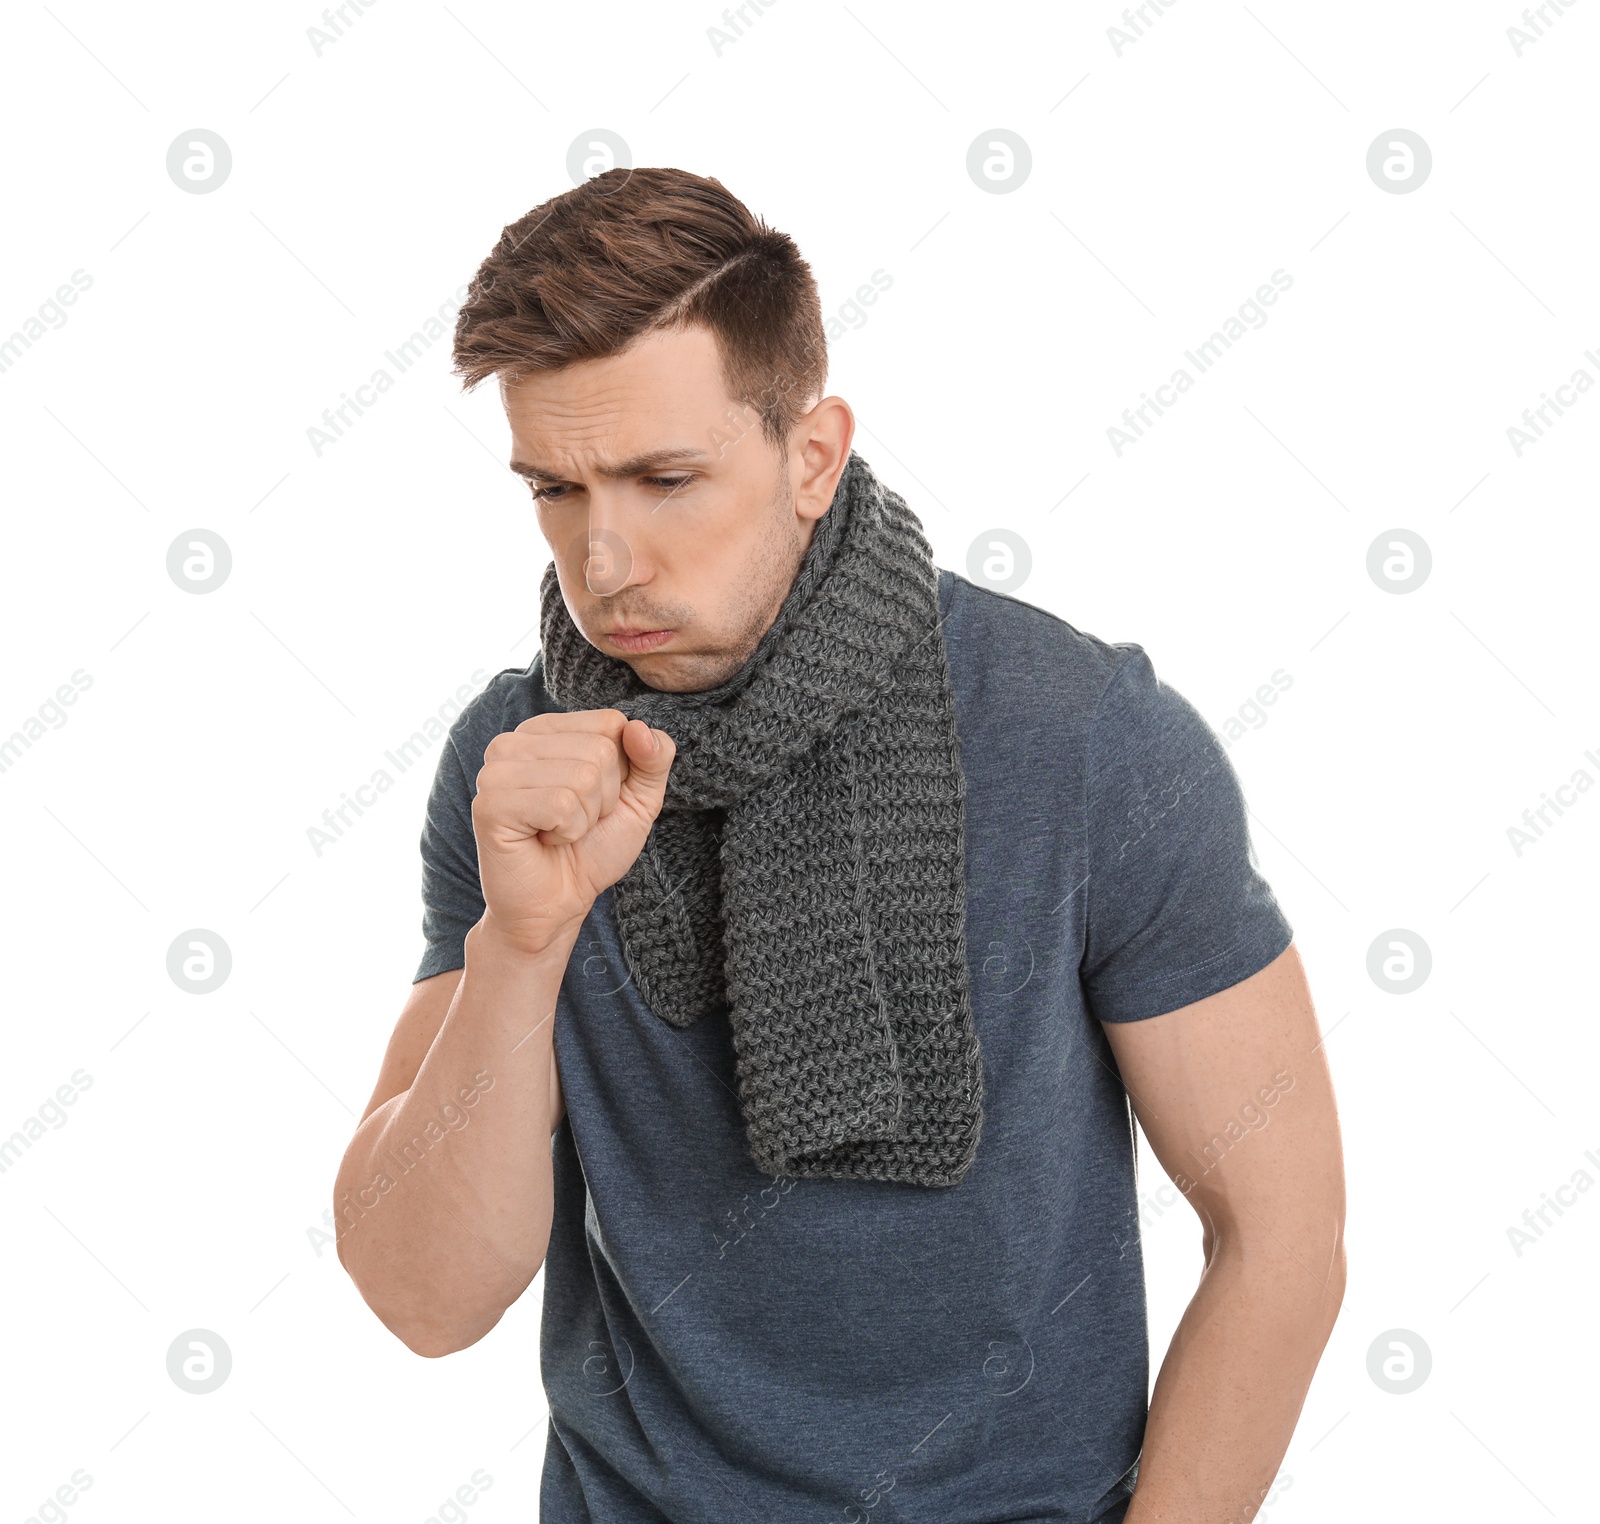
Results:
807 869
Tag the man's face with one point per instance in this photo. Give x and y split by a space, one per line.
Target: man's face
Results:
665 506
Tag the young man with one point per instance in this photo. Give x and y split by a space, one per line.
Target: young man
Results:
799 923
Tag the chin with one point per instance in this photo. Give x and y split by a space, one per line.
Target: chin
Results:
666 676
655 668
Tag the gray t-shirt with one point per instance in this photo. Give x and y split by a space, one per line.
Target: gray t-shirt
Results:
718 1344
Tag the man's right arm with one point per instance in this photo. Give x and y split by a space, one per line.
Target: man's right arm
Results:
444 1199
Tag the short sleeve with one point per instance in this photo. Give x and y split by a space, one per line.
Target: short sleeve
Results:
1176 907
452 894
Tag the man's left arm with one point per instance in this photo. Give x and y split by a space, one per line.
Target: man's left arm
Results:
1234 1095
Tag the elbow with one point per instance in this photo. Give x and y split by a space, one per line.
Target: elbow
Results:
433 1340
428 1336
1302 1271
1337 1273
399 1308
1322 1255
420 1292
430 1343
424 1332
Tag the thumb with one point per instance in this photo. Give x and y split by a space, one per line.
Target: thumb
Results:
650 754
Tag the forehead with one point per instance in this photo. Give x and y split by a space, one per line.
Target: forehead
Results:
665 388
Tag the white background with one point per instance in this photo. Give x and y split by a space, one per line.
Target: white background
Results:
1168 182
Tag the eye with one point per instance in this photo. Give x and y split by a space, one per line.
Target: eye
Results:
668 484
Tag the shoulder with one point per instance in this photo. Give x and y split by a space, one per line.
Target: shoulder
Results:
511 696
1006 651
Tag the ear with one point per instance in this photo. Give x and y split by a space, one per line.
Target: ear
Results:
820 441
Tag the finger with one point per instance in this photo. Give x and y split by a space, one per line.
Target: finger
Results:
551 813
598 725
650 755
538 750
606 722
597 784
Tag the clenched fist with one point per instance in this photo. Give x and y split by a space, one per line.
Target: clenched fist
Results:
564 804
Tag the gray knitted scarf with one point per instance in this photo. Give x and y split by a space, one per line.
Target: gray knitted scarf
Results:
807 869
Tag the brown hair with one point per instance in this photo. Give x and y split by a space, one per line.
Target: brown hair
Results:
633 251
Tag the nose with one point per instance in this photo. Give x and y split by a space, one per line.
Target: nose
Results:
612 556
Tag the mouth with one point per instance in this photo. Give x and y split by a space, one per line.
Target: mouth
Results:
635 641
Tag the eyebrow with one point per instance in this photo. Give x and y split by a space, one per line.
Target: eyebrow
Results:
635 465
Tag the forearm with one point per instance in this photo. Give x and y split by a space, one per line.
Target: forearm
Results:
1233 1382
443 1200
